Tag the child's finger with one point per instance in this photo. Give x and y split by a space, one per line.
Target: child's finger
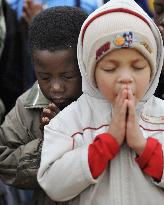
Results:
45 120
130 94
118 97
131 105
123 110
54 108
50 112
131 111
122 95
46 112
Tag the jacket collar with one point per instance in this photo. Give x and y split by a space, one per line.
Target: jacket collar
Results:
35 98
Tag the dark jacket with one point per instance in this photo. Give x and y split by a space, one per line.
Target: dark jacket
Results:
160 89
11 63
21 144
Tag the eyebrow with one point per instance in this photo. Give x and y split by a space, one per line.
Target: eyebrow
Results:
45 73
133 61
107 61
139 60
136 60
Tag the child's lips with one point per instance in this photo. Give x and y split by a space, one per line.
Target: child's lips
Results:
58 100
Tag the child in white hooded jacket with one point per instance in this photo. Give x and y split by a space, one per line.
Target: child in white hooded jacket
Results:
107 147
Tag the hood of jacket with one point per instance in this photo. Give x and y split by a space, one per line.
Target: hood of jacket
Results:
87 86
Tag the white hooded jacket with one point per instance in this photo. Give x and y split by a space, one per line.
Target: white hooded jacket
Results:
64 171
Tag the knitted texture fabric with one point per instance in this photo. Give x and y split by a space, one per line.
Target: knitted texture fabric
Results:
115 29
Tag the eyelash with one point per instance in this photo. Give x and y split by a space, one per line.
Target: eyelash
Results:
113 69
67 77
109 70
63 77
138 68
45 78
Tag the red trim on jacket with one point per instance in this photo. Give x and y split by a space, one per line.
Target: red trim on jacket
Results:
89 128
103 149
151 160
155 130
107 125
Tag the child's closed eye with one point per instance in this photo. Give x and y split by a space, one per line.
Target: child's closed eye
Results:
67 77
137 68
109 69
140 65
44 76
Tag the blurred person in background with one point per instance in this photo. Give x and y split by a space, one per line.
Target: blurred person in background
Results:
147 5
2 39
11 62
8 195
87 5
159 20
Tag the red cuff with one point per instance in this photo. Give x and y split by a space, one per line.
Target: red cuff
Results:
151 160
101 151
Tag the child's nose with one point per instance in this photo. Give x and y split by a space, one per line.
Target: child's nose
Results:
125 78
57 86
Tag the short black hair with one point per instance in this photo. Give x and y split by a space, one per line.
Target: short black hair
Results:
56 28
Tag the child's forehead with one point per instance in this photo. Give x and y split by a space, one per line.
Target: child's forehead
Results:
40 54
55 63
127 55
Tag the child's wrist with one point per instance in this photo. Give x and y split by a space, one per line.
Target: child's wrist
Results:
139 148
